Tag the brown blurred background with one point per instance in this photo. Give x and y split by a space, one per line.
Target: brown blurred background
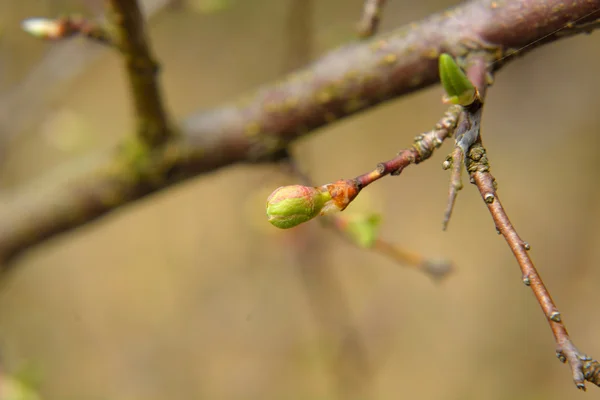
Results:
191 294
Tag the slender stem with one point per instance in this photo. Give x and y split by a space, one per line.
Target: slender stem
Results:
421 150
437 269
89 29
458 159
582 367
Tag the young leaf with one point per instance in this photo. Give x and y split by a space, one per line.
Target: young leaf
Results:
459 90
363 230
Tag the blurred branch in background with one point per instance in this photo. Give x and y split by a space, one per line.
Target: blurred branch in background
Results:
369 22
66 27
343 82
346 353
29 102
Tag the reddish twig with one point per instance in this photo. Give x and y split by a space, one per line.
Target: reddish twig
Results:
437 269
582 367
421 150
371 16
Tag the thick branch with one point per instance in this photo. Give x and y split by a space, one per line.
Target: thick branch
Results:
342 83
142 70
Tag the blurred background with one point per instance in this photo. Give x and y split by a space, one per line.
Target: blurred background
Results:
191 294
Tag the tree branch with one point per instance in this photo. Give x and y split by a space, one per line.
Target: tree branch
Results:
343 82
29 102
142 70
582 366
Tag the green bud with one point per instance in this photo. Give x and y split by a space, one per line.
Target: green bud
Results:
289 206
459 89
363 229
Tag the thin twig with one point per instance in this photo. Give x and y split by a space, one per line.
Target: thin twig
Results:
466 133
30 101
582 367
436 268
130 37
422 148
66 27
371 16
456 162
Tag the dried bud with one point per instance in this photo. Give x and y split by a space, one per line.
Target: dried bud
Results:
342 193
44 28
289 206
459 89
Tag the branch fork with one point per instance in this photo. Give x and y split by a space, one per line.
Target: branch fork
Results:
463 120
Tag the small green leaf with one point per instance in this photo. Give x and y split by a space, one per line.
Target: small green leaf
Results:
363 229
13 389
459 90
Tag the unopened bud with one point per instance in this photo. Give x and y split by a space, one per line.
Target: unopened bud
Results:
289 206
459 89
43 28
